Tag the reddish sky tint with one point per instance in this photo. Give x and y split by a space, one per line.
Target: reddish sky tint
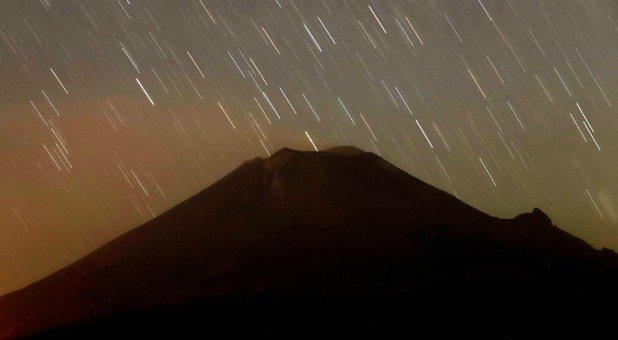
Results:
113 111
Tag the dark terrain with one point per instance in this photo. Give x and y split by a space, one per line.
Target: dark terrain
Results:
339 241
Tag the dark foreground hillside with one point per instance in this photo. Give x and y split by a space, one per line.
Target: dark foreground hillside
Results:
336 241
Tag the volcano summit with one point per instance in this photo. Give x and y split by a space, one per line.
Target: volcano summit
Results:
339 239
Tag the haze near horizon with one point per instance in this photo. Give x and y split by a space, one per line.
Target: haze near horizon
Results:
111 112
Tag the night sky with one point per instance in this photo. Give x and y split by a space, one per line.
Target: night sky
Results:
113 111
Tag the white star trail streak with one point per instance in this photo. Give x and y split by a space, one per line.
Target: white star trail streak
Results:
377 19
287 100
21 220
311 140
477 83
591 135
58 79
368 127
50 103
346 111
145 92
196 65
595 203
424 134
313 38
487 170
226 115
327 32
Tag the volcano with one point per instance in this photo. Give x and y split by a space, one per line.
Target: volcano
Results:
337 239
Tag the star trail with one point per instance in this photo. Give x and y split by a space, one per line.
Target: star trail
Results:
113 111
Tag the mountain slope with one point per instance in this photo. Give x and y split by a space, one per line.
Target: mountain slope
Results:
337 223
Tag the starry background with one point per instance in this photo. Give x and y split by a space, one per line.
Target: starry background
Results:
113 111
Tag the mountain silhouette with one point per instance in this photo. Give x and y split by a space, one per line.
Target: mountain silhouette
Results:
331 238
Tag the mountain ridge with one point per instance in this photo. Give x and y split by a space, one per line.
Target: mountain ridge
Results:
338 222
